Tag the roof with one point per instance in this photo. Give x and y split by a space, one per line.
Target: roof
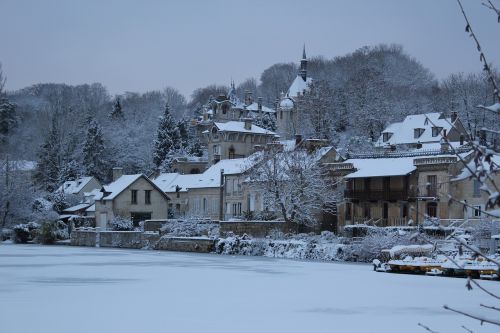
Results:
91 208
255 107
168 182
403 132
122 183
74 186
298 86
239 126
76 208
381 167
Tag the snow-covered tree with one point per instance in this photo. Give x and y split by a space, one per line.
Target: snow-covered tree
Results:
117 112
94 152
267 121
49 159
168 140
294 185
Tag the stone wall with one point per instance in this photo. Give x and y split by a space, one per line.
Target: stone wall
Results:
255 228
122 239
83 238
186 244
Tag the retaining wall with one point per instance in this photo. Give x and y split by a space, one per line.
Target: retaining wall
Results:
186 244
256 228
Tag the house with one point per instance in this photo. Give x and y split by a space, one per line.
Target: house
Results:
397 188
287 116
130 196
423 131
79 186
218 193
236 139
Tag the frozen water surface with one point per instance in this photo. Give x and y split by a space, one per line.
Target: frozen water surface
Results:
68 289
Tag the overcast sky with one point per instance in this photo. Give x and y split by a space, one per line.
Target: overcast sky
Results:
146 45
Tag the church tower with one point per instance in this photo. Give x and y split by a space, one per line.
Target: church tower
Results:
303 65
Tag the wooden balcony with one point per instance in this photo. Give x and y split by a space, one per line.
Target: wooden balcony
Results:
369 195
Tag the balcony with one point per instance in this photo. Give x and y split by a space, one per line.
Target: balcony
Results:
369 195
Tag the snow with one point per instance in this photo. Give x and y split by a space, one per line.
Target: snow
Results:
286 103
298 86
239 126
495 107
403 132
56 288
381 167
77 207
21 165
119 185
74 186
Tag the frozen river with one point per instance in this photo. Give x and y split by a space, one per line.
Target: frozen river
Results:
68 289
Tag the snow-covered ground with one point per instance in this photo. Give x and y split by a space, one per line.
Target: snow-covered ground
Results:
68 289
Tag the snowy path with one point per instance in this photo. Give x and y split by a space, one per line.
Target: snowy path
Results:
66 289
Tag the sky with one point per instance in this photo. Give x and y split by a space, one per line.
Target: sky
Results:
132 45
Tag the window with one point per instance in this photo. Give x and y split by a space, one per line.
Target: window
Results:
147 197
386 136
436 131
281 114
225 107
417 132
432 209
231 153
134 197
348 209
204 205
476 211
477 188
137 217
216 150
403 209
431 185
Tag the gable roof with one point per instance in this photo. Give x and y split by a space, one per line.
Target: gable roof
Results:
74 186
403 132
121 184
239 126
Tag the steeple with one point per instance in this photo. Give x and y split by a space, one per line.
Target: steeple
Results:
303 64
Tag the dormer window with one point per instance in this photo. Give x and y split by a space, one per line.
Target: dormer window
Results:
436 131
386 136
417 132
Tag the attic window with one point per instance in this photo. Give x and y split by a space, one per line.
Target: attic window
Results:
79 183
417 132
436 131
426 122
386 136
67 185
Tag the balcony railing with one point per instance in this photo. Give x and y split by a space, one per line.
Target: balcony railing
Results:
367 195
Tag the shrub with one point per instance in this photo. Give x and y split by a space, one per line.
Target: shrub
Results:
52 231
24 233
121 224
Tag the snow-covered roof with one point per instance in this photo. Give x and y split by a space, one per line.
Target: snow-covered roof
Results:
239 126
381 167
91 208
255 107
74 186
75 208
122 183
465 173
403 132
298 86
286 103
168 182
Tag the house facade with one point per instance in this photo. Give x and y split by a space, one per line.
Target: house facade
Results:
131 196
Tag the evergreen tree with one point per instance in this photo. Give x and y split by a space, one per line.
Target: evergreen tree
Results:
117 112
8 119
93 152
183 133
195 148
168 140
49 159
267 121
70 170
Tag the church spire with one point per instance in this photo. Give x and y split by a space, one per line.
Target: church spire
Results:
303 64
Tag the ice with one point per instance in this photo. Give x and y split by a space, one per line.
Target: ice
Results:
69 289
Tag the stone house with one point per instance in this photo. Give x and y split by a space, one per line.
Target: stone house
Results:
236 139
423 131
79 186
130 196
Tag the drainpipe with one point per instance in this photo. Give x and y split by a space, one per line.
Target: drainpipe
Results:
221 196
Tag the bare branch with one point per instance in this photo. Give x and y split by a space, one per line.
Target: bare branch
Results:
461 241
480 318
490 307
468 330
426 328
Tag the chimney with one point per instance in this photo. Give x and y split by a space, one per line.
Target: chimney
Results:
248 123
117 173
444 143
248 97
462 139
276 104
298 139
259 104
454 116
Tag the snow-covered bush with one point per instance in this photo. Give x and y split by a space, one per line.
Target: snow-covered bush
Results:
24 233
121 224
6 234
192 227
52 231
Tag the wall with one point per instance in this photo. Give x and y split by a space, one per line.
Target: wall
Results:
121 239
83 238
183 244
255 228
